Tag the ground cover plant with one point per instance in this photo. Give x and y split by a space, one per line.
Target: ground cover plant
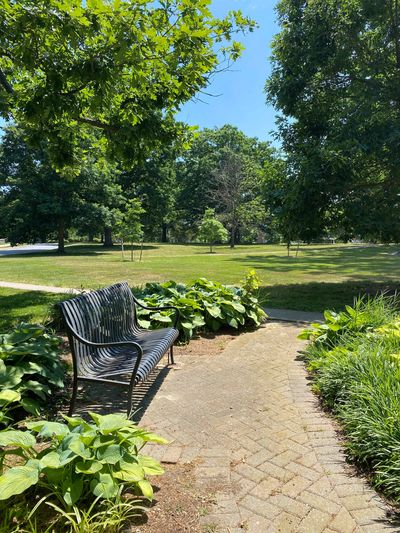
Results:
30 371
321 276
203 305
354 359
75 464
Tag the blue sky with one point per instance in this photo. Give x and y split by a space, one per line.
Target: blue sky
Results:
242 99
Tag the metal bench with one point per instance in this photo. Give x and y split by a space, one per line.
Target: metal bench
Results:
107 343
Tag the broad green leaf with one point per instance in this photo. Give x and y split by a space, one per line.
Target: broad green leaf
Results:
88 467
104 486
11 437
9 396
146 489
50 460
150 465
110 423
78 447
16 480
72 488
109 454
31 406
48 429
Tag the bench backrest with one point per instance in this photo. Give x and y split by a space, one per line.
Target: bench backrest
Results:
105 315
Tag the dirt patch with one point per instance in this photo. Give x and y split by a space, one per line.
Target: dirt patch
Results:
178 504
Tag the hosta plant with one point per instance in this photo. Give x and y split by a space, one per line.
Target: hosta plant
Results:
78 461
30 369
203 305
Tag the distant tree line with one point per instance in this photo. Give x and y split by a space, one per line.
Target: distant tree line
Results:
223 172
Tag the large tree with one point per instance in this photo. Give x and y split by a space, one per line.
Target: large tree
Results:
123 67
224 169
37 203
336 81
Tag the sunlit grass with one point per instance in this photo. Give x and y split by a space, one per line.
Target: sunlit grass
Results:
320 276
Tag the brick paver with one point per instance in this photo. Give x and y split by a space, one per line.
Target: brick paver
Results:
248 419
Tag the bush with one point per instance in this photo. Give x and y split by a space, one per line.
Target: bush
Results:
78 461
203 305
357 375
30 370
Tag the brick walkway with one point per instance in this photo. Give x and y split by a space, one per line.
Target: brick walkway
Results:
258 438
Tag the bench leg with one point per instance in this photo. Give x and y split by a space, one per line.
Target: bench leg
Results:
171 356
130 399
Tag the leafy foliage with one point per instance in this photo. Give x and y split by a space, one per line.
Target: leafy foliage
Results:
122 68
30 370
211 229
366 314
335 75
81 461
356 372
203 305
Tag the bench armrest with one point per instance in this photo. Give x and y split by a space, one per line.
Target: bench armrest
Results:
177 312
109 344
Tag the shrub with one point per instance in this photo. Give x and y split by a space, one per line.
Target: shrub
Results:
203 305
30 370
78 461
357 375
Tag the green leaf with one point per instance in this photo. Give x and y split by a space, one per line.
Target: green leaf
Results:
50 460
130 472
150 465
72 488
88 467
104 486
110 423
109 454
31 406
78 447
233 323
146 489
48 429
16 480
11 437
9 396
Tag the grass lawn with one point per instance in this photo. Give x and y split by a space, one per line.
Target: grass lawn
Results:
23 306
322 276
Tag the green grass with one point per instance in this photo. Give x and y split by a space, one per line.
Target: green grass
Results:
323 276
23 306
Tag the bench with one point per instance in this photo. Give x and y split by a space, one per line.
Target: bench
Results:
107 344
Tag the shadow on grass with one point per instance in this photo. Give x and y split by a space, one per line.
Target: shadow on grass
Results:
316 296
352 262
24 306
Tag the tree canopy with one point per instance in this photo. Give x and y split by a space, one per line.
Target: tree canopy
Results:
336 80
121 67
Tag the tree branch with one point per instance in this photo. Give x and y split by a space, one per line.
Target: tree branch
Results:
5 84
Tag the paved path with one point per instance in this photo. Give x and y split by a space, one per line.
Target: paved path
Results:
44 288
29 249
249 421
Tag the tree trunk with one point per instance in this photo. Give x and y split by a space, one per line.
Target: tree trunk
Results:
61 236
91 237
131 251
164 236
108 242
233 230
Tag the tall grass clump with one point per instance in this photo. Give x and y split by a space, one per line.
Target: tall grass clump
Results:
355 363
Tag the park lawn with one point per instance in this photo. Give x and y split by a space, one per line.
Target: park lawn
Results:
24 306
320 277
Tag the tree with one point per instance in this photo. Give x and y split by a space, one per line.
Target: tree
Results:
211 229
129 227
123 68
336 81
38 203
206 172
